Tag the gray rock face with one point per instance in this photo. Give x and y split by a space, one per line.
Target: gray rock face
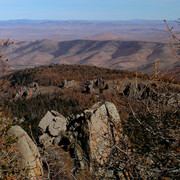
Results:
28 151
96 133
55 123
45 121
57 126
52 125
112 112
102 132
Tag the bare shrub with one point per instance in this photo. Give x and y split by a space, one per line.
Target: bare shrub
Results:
153 128
174 39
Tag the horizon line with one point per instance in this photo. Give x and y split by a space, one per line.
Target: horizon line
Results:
85 20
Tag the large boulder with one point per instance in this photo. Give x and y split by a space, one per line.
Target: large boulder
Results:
28 152
53 122
52 125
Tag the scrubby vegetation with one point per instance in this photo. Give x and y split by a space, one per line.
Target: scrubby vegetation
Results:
55 74
153 129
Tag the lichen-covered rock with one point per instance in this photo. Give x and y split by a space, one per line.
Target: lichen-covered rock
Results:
28 152
89 137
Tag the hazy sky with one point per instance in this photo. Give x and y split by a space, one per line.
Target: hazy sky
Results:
89 9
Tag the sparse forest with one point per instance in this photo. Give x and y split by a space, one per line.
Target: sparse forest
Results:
148 108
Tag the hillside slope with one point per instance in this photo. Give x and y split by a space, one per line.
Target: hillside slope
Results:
110 54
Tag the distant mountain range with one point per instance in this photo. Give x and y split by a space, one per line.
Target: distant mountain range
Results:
119 54
141 30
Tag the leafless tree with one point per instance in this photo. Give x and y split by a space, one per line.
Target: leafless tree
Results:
174 39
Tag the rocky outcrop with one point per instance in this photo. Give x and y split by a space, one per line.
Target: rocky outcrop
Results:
140 91
102 133
100 83
89 87
94 85
28 92
89 137
149 92
28 152
52 126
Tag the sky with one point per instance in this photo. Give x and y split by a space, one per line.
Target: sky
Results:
90 9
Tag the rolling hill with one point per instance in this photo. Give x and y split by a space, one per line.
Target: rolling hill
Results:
118 54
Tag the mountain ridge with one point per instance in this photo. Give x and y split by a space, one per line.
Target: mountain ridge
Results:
128 55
